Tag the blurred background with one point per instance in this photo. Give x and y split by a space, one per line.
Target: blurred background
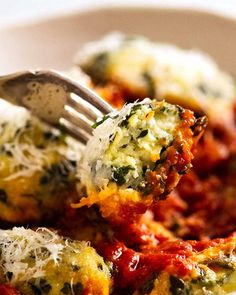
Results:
13 11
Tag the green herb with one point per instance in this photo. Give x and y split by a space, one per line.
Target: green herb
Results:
144 170
42 288
100 266
75 267
3 196
9 275
66 288
143 133
224 262
204 282
125 122
163 109
77 289
63 132
96 68
148 285
135 108
57 174
35 289
119 174
178 286
203 88
95 125
150 84
48 135
45 287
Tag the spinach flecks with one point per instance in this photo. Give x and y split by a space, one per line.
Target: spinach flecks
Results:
119 173
148 285
95 125
72 289
3 196
143 133
178 286
150 84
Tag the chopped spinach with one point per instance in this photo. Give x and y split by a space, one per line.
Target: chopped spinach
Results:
3 196
41 288
119 173
66 288
63 132
96 68
148 286
223 262
75 267
178 286
77 289
125 122
58 173
35 289
203 88
48 135
96 124
45 287
100 266
143 133
150 84
9 275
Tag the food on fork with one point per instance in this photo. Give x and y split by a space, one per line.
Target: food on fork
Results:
41 262
137 156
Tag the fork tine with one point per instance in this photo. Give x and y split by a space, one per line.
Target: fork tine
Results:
83 107
78 119
82 91
74 131
93 99
73 104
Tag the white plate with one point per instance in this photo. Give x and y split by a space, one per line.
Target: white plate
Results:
51 43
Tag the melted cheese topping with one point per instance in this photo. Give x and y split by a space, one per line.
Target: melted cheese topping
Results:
41 262
19 244
143 68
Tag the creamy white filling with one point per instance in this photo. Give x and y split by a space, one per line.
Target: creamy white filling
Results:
127 142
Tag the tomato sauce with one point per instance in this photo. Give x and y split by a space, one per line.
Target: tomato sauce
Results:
133 268
7 289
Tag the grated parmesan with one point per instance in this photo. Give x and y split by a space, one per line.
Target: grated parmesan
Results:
25 252
17 128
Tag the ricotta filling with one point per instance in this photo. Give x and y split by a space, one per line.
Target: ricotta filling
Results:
127 144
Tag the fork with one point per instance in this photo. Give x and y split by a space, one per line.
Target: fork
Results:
56 99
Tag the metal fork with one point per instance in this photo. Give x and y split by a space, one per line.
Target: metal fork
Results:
56 99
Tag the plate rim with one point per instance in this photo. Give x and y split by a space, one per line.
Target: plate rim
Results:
145 8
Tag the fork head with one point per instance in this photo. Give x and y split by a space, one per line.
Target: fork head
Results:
56 99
